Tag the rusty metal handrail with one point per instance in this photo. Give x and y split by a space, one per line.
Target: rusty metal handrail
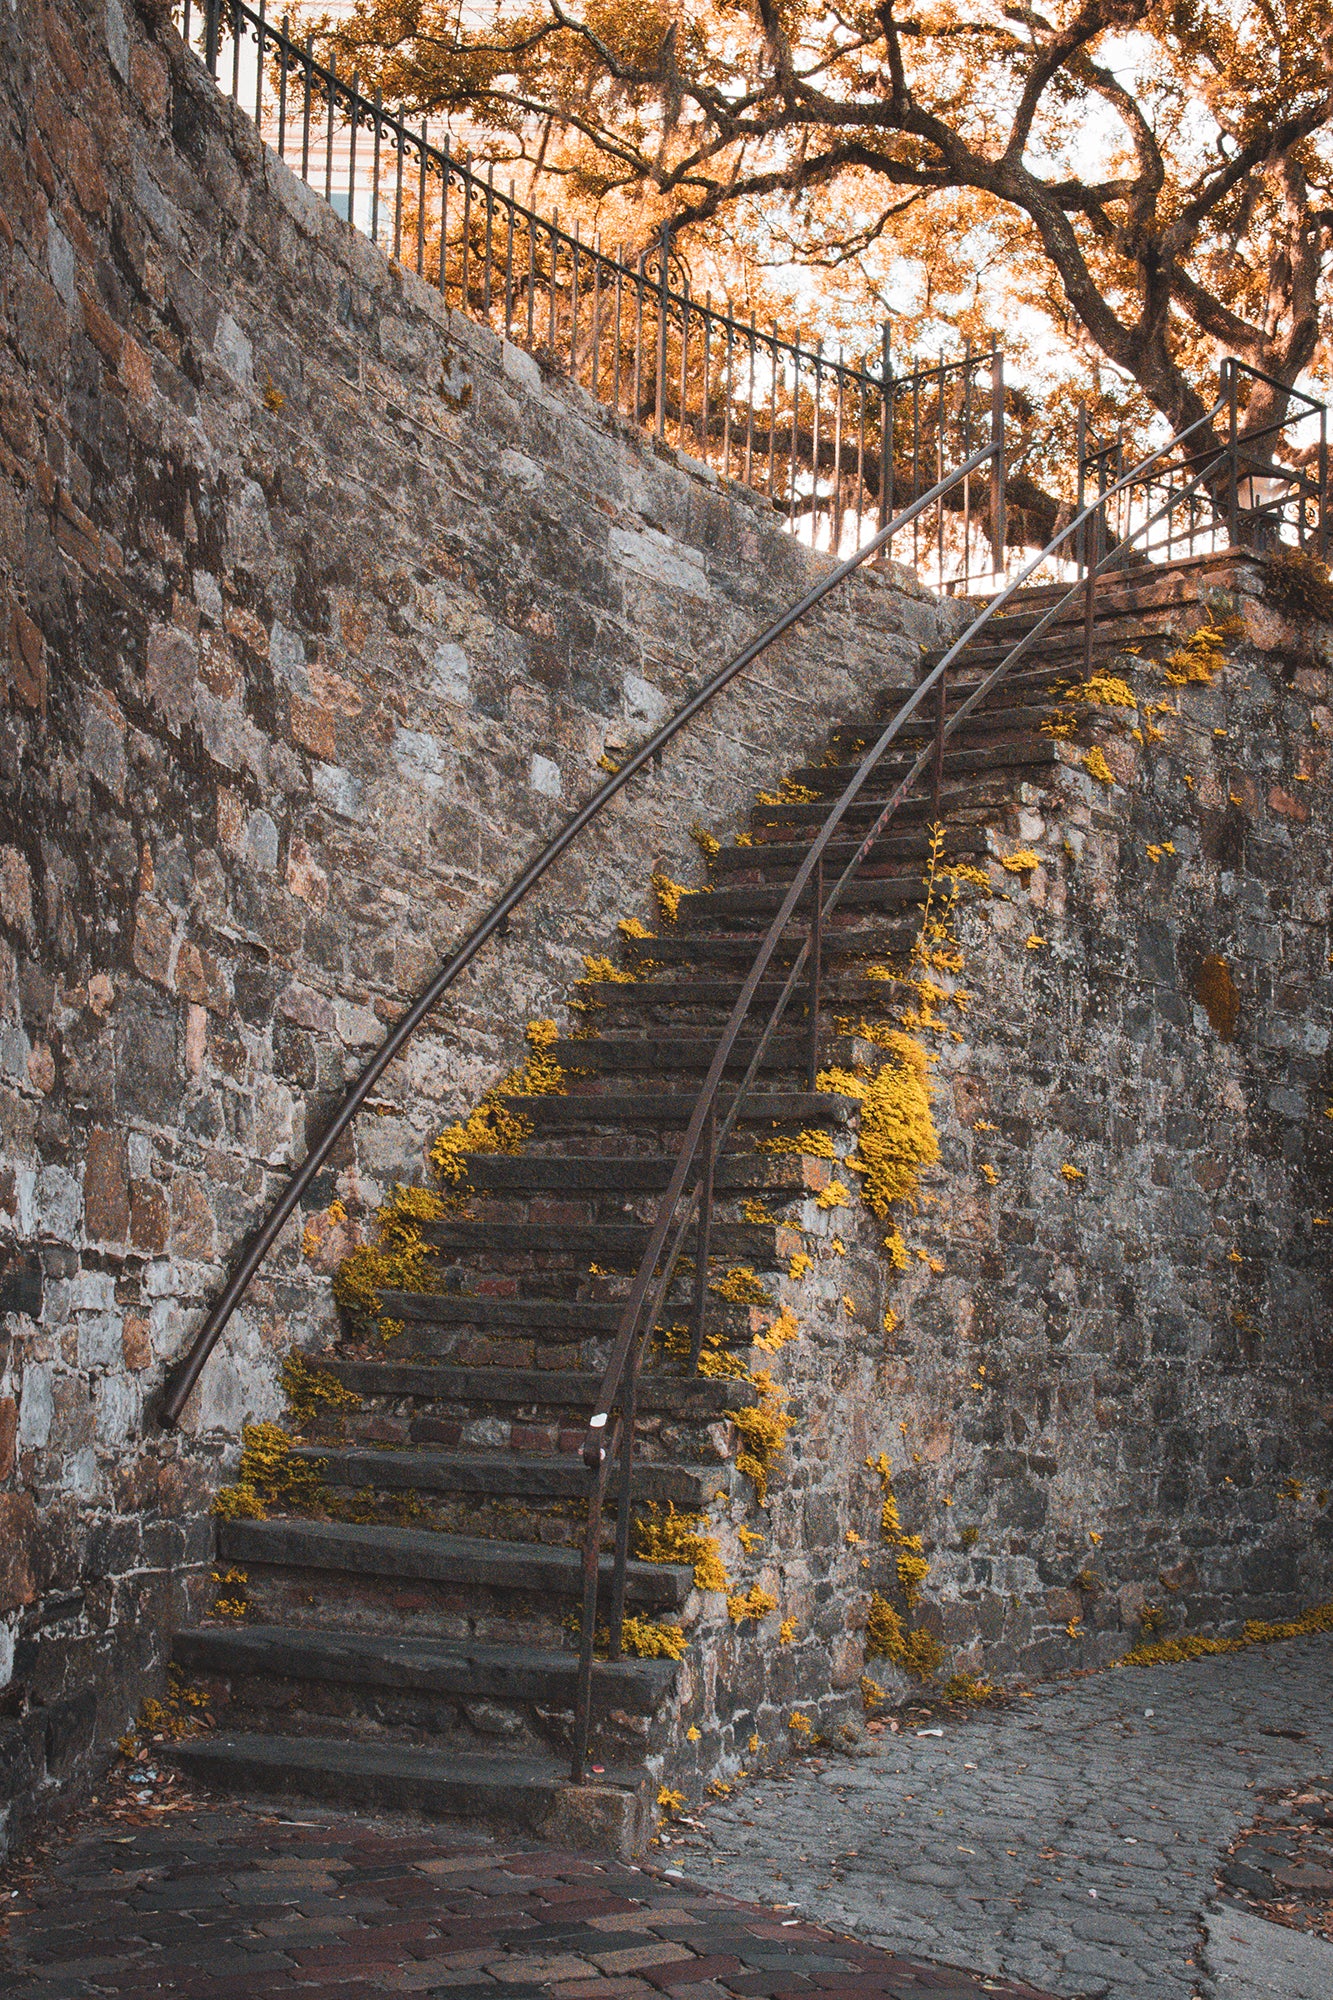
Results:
618 1391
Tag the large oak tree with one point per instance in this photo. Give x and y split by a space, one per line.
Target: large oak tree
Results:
1156 177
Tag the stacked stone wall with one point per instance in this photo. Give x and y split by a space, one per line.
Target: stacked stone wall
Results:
321 609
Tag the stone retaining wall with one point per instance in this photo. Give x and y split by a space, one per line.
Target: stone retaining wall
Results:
321 609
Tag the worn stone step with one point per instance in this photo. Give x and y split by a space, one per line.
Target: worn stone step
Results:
748 901
559 1476
890 932
674 1107
643 1054
422 1555
567 1173
555 1319
994 719
1021 750
523 1794
909 848
614 1244
374 1660
686 1002
697 1397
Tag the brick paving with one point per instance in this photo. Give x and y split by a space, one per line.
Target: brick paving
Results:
214 1902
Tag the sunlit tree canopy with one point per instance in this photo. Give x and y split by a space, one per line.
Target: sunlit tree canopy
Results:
1144 186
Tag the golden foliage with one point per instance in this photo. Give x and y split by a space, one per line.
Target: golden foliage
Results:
313 1393
898 1136
647 1641
1255 1632
674 1538
753 1603
764 1431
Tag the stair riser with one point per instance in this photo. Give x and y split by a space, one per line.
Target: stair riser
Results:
534 1172
516 1480
562 1248
590 1819
272 1705
400 1421
461 1613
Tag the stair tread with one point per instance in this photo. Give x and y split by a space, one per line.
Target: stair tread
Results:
412 1762
416 1469
515 1672
792 1107
290 1541
627 1173
562 1388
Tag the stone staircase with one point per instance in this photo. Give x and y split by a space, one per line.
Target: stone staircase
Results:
413 1644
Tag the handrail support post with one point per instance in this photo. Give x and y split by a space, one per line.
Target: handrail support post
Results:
816 976
703 1235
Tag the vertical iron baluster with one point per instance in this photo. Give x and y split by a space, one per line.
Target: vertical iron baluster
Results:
703 1235
236 34
860 454
967 453
466 300
836 542
398 187
729 393
749 403
490 223
1233 496
283 47
592 1541
306 82
375 170
629 1411
351 153
937 761
638 337
260 36
885 428
1323 483
773 417
185 24
421 203
703 408
999 524
596 317
551 314
795 428
663 297
615 356
444 218
683 405
816 975
509 260
916 462
814 443
212 34
532 277
574 306
939 473
328 127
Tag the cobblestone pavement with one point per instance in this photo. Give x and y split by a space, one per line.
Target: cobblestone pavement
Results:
1070 1839
223 1904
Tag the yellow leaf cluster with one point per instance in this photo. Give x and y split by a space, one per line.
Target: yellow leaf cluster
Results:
764 1432
753 1603
674 1538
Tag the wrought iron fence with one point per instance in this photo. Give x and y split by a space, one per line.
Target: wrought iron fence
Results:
795 420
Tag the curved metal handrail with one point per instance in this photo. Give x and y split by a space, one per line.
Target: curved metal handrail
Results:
496 920
655 1272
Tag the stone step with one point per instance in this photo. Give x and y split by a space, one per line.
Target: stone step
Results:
700 1398
422 1555
910 849
1017 753
1057 647
519 1794
617 1245
542 1476
674 1107
700 1001
384 1661
554 1319
890 933
994 719
567 1173
750 901
643 1054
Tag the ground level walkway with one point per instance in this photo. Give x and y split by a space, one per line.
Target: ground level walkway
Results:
1129 1834
1073 1839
